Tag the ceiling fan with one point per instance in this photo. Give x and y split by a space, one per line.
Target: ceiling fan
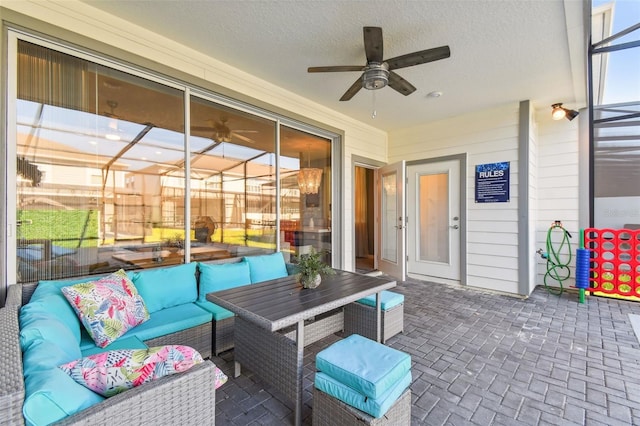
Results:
378 73
222 132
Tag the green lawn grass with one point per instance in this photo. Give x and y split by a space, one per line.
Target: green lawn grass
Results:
66 227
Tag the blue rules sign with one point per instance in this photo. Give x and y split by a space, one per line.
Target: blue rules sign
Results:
492 183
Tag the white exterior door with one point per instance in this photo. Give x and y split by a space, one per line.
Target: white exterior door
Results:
433 225
391 253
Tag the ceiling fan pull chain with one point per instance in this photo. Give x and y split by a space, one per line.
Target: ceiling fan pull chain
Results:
373 105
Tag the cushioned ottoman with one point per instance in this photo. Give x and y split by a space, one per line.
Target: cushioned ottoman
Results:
328 410
360 316
364 375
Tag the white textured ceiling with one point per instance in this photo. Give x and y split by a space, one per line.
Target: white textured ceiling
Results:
502 51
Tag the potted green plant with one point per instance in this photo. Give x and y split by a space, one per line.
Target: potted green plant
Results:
310 267
174 243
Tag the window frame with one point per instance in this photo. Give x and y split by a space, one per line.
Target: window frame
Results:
14 34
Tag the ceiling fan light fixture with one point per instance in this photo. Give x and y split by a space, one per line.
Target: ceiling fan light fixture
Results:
375 76
113 132
222 131
376 72
223 136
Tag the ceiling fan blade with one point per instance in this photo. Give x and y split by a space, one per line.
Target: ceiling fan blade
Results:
373 44
243 138
350 93
417 58
338 68
399 84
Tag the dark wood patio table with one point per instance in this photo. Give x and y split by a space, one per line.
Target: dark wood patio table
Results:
271 318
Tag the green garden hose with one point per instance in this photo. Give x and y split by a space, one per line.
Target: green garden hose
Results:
558 257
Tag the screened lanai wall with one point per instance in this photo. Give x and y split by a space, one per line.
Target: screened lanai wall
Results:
615 111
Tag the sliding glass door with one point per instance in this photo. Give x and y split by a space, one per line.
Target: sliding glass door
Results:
93 146
119 169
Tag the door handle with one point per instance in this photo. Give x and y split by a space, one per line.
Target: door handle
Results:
454 226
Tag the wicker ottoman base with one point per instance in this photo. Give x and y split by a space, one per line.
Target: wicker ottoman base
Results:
361 319
330 411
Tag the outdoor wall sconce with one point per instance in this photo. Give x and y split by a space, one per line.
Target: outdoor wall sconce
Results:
559 112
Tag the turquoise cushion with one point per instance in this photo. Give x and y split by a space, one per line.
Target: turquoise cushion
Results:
366 366
86 341
388 300
51 395
167 287
45 355
131 342
170 320
219 313
266 267
222 277
51 306
50 329
376 407
53 286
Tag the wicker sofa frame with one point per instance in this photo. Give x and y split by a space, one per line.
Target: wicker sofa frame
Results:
361 319
187 398
223 335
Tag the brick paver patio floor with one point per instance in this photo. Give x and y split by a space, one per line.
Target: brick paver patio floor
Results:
480 358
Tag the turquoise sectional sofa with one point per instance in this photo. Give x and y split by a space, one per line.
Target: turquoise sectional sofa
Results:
50 333
222 275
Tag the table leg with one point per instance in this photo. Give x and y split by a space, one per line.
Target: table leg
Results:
274 357
237 370
300 347
378 317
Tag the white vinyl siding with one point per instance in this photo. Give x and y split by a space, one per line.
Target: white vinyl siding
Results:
532 216
492 229
558 185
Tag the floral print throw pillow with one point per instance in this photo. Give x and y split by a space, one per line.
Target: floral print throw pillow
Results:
108 307
109 373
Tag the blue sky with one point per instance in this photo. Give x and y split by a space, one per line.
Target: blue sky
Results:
623 75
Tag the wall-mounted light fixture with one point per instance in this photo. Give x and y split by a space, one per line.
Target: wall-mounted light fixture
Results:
558 112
